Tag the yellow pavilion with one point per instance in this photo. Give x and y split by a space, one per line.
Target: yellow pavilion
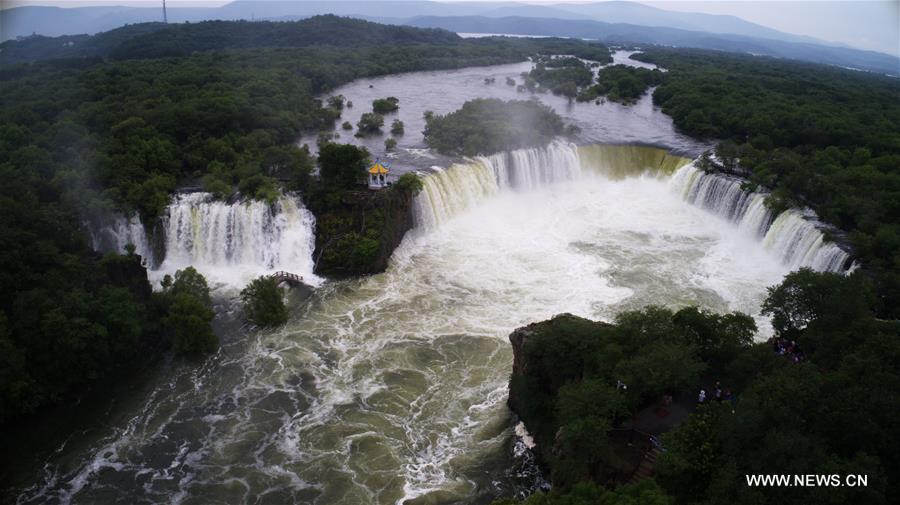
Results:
378 174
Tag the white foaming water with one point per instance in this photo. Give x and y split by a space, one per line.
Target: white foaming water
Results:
121 231
392 387
232 242
794 235
228 242
451 191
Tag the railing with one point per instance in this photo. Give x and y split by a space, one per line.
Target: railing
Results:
287 276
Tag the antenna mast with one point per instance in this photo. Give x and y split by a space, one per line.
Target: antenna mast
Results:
165 16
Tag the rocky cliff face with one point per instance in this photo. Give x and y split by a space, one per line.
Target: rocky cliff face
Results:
357 231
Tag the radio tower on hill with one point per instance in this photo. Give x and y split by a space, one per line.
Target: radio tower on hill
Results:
165 16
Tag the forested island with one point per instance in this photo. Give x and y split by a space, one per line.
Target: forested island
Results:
488 126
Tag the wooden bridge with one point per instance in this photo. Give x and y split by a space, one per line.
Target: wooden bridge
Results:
282 276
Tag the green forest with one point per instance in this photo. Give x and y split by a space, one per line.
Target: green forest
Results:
119 127
489 125
826 410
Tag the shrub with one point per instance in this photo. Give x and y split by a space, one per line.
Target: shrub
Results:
370 122
189 319
263 302
385 105
409 183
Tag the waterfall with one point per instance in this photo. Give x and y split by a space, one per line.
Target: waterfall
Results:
114 233
447 192
228 241
795 236
246 235
724 196
618 162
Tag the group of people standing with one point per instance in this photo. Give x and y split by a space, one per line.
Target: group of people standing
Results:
718 394
789 348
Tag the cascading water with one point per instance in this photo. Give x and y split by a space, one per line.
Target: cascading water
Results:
234 240
618 162
794 235
118 232
391 388
448 192
229 242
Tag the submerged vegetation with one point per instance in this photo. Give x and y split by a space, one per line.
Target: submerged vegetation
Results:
823 411
562 76
489 125
622 83
385 105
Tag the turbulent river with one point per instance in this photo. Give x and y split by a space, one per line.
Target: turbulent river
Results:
392 388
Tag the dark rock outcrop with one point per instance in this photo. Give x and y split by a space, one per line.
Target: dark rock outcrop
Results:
357 231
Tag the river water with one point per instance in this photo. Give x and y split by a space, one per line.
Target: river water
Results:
445 91
391 388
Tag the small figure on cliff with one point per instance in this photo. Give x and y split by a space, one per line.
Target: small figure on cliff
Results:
701 398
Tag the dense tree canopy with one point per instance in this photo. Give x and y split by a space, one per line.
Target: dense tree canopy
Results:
826 410
622 83
385 105
562 76
568 392
263 302
342 166
489 125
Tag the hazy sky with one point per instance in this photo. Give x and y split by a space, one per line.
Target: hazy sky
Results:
866 24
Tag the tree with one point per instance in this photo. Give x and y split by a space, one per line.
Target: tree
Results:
806 296
488 125
189 319
346 125
390 143
263 302
385 105
189 312
370 122
191 282
342 166
336 102
397 127
409 183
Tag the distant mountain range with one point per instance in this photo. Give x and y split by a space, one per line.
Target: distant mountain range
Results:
630 34
54 21
623 22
